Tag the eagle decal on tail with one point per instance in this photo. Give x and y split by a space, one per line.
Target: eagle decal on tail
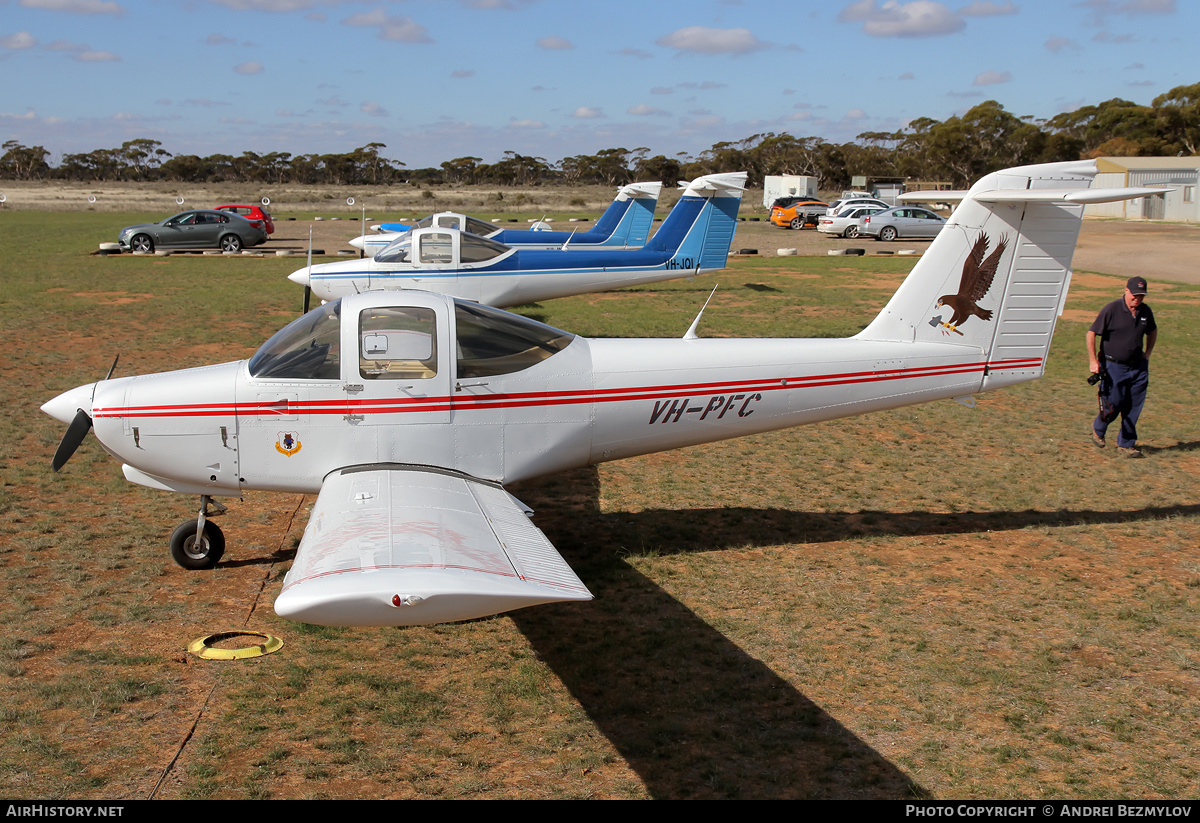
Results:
977 276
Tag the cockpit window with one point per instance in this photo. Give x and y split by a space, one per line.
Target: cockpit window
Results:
437 248
477 249
308 348
492 342
476 226
397 343
424 222
398 251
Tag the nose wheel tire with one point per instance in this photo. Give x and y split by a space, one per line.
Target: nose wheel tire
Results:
197 554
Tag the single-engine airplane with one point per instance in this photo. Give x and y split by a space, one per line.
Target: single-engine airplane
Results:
625 224
694 239
408 412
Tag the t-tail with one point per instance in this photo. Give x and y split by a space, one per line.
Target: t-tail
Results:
996 276
626 222
699 230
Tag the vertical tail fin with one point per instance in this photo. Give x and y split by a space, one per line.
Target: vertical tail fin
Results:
628 218
699 230
996 277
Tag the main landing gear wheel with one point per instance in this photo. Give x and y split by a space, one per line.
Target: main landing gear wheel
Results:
193 554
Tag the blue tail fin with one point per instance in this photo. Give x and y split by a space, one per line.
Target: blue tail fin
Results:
699 230
626 223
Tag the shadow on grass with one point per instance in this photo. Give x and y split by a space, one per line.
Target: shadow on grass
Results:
689 711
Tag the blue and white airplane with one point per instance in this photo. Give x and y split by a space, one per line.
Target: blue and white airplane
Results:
694 239
625 224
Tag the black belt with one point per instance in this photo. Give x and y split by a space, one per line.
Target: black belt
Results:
1134 362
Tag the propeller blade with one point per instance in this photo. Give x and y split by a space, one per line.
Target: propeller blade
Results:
78 430
307 297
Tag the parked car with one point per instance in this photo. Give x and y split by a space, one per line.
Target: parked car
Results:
198 229
799 214
847 222
838 205
255 214
902 221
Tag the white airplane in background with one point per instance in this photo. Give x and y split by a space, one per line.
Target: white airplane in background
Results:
625 224
694 239
407 412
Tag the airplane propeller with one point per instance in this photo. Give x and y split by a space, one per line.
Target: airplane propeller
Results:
308 284
78 429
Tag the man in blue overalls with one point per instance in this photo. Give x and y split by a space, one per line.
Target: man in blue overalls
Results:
1122 363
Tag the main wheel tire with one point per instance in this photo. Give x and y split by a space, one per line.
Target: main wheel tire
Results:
141 242
887 234
798 223
851 232
231 243
189 553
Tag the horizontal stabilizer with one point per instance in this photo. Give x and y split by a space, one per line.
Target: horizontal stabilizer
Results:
399 545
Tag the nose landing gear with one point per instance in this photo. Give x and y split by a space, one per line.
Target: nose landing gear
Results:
199 544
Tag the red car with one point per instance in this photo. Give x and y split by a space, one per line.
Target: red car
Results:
255 214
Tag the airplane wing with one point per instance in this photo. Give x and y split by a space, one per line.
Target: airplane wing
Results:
400 545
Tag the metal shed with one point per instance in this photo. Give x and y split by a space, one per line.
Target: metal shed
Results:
1179 178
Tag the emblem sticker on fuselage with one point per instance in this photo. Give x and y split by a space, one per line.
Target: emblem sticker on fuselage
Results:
288 443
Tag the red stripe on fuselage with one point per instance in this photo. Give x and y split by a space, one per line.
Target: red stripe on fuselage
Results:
464 402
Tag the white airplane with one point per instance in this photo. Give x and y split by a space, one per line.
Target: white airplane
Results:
408 412
625 224
694 239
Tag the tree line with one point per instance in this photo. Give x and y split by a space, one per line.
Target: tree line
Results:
956 151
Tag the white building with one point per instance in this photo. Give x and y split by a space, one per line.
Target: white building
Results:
1179 178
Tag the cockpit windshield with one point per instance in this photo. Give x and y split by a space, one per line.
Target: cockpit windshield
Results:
493 342
398 251
476 226
308 348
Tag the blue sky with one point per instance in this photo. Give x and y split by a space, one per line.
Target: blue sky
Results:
439 79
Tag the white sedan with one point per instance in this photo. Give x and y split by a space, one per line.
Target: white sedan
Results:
847 222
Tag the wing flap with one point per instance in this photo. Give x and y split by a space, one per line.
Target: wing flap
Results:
401 546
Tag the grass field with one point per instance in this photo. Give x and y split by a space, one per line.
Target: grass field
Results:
934 602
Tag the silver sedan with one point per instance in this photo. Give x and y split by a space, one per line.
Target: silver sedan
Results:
199 229
902 221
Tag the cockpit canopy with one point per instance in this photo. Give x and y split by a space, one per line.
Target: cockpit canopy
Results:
434 248
400 342
449 220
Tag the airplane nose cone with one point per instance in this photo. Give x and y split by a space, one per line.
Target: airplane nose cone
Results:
64 407
299 277
359 243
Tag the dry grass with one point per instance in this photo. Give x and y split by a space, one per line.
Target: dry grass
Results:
931 602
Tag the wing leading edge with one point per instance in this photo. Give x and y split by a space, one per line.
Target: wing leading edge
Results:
392 545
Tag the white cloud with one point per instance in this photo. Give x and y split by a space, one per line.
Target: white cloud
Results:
527 124
1057 44
587 113
218 40
642 110
458 74
704 40
984 8
20 40
908 75
990 78
373 109
394 29
75 6
554 44
641 54
919 18
97 57
250 67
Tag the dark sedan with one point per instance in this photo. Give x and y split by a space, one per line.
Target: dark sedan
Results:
199 229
